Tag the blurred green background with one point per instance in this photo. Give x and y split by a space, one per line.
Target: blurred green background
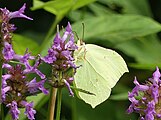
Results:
130 27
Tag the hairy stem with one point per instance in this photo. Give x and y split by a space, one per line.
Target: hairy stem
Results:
59 104
52 100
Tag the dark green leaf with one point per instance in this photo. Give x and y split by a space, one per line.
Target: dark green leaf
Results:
21 43
99 9
57 7
60 7
130 6
145 50
117 28
121 96
81 3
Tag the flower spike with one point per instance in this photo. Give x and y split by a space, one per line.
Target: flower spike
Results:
145 98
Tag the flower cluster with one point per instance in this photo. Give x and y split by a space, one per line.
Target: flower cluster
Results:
61 59
145 99
7 28
16 86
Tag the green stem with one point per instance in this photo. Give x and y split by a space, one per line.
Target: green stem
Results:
74 109
51 107
0 75
51 31
1 105
2 112
59 104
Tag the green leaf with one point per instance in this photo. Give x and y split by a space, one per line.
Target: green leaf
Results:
81 3
117 28
99 71
144 66
37 4
99 9
57 7
81 15
60 7
146 51
114 28
106 111
21 43
121 96
130 6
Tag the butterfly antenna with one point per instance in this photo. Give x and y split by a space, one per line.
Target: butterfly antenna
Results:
76 34
82 33
63 29
57 28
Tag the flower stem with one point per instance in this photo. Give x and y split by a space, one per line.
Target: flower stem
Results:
2 112
74 109
0 75
59 104
51 107
1 105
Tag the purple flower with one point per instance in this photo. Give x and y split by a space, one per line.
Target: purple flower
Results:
8 52
156 76
35 86
69 89
155 92
16 75
29 110
7 66
7 15
24 58
60 56
14 110
29 69
145 98
50 57
6 29
4 90
138 88
34 69
62 49
15 83
134 102
150 111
